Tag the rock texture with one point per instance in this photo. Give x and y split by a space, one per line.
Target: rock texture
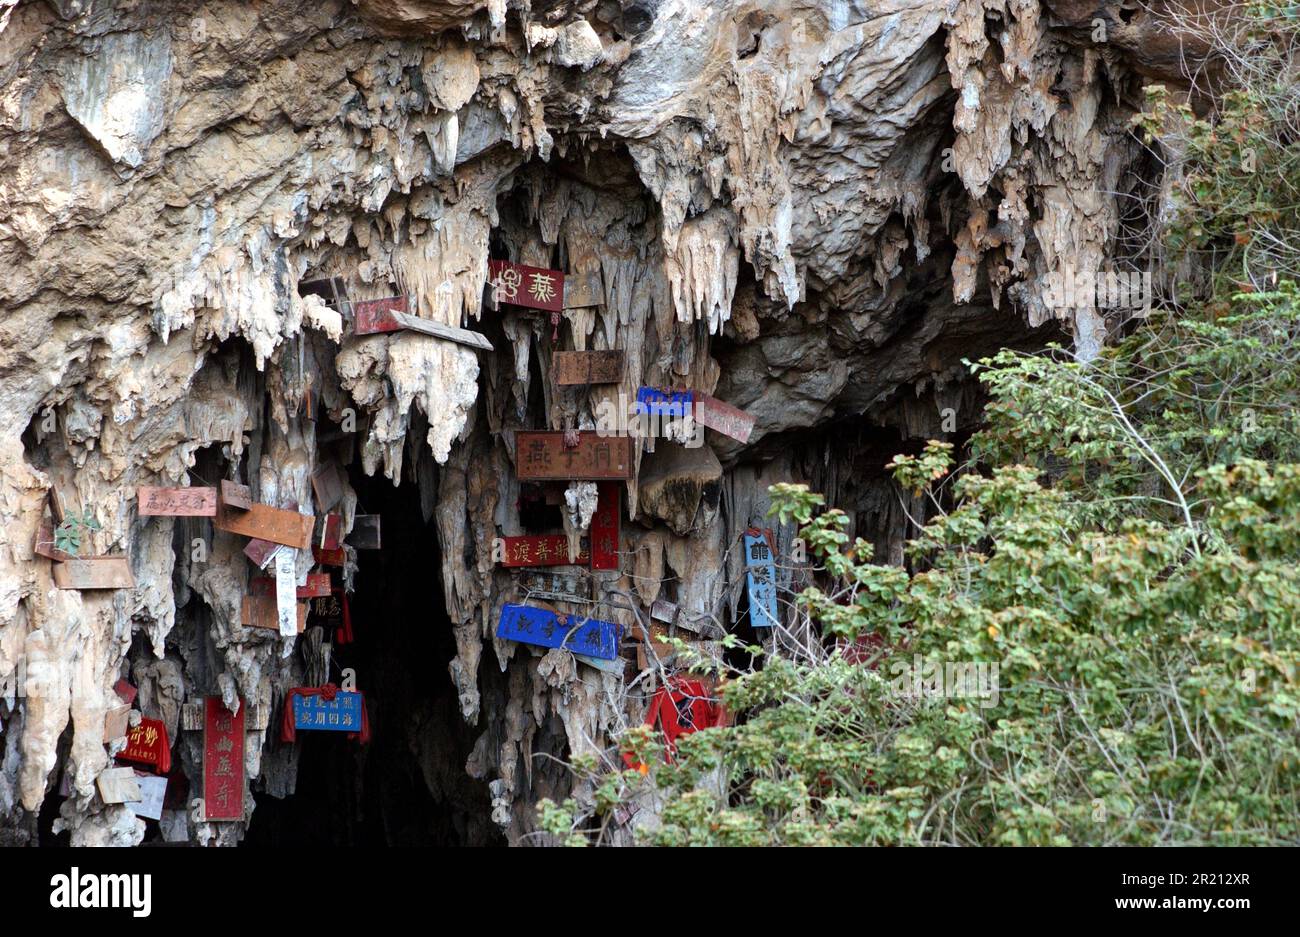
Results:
811 209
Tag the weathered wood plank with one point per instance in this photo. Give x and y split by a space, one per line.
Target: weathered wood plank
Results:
542 456
94 572
236 495
44 545
723 417
263 522
117 785
318 584
327 485
176 502
365 533
259 611
376 316
589 367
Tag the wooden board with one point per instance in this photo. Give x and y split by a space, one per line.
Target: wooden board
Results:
258 611
761 580
263 522
236 495
147 744
583 289
176 502
329 557
314 713
521 285
588 367
261 552
663 610
94 572
44 545
318 584
330 536
117 721
723 418
568 585
256 719
376 316
542 550
117 785
223 761
327 485
547 628
541 455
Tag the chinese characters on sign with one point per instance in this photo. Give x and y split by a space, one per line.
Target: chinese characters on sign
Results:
522 285
761 575
147 744
176 502
604 528
546 628
723 418
573 586
223 761
542 456
542 550
315 712
656 402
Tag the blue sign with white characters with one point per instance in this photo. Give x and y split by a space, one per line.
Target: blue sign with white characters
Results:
762 581
656 402
340 714
546 628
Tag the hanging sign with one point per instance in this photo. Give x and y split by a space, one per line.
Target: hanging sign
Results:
547 628
569 586
286 592
263 522
375 316
331 533
117 785
327 486
723 418
312 711
542 550
542 456
604 527
656 402
365 532
223 761
147 744
235 495
176 502
521 285
153 790
318 584
260 611
761 576
94 572
588 367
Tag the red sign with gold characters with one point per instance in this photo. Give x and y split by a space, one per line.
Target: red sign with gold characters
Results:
223 761
521 285
542 550
604 528
147 744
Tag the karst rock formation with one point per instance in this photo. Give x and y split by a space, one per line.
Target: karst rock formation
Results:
812 210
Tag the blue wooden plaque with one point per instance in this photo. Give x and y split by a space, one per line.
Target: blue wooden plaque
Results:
761 573
545 628
317 714
656 402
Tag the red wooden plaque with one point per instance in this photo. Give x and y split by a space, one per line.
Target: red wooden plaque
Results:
263 522
542 456
331 533
223 761
325 557
147 744
176 502
535 287
604 528
543 550
376 315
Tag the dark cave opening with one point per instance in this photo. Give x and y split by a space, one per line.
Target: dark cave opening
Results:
408 785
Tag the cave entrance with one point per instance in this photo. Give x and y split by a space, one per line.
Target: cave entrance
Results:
408 786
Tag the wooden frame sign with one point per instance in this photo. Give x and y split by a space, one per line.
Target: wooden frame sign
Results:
94 572
521 285
542 550
263 522
761 580
223 761
575 368
541 455
546 628
176 502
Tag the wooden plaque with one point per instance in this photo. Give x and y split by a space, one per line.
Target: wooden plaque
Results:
390 315
542 456
521 285
365 532
117 785
176 502
263 522
223 761
44 545
258 611
723 418
236 495
546 628
604 527
327 485
589 367
318 584
94 572
542 550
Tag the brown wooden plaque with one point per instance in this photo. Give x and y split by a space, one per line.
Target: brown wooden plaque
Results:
235 495
263 522
94 572
176 502
589 367
542 456
258 611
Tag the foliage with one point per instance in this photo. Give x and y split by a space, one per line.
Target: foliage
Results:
1122 541
69 535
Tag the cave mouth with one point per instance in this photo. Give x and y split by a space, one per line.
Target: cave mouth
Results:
408 785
